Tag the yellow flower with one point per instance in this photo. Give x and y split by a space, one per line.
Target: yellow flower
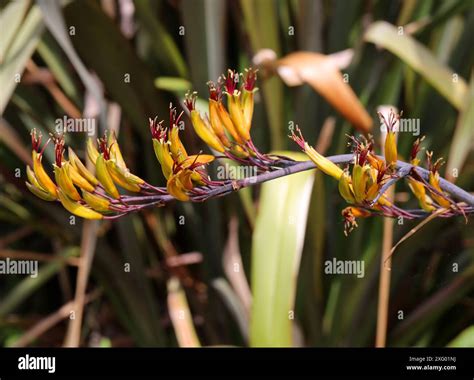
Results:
438 194
234 105
217 124
321 162
440 199
417 187
39 179
390 148
76 208
345 188
181 171
202 128
247 101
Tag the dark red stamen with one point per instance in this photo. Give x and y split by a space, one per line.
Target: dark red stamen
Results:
433 166
362 158
58 149
157 130
196 164
104 148
381 174
190 101
35 140
174 120
214 91
250 77
416 148
231 81
172 115
299 139
391 121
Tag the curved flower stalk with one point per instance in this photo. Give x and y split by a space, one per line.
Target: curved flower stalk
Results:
112 190
226 130
366 178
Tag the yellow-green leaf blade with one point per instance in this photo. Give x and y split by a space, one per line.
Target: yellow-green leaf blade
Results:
452 87
276 251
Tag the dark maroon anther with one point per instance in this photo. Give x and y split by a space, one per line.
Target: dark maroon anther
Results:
363 156
299 139
190 101
36 140
250 77
174 117
104 148
231 81
214 91
416 148
58 149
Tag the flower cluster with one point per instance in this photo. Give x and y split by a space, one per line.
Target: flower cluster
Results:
363 183
227 129
182 172
101 193
88 195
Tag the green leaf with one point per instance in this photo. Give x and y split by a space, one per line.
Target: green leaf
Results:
30 285
463 139
10 19
261 23
106 51
57 63
464 339
55 22
19 51
276 251
419 58
166 51
173 84
204 50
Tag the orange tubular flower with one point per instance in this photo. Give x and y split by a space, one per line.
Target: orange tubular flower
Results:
227 129
364 185
319 160
40 183
438 194
76 188
390 148
202 127
182 172
417 187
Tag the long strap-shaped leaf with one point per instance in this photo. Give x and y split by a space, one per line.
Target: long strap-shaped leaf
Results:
54 21
419 58
276 251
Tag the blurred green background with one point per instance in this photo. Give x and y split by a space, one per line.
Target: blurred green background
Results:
247 269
